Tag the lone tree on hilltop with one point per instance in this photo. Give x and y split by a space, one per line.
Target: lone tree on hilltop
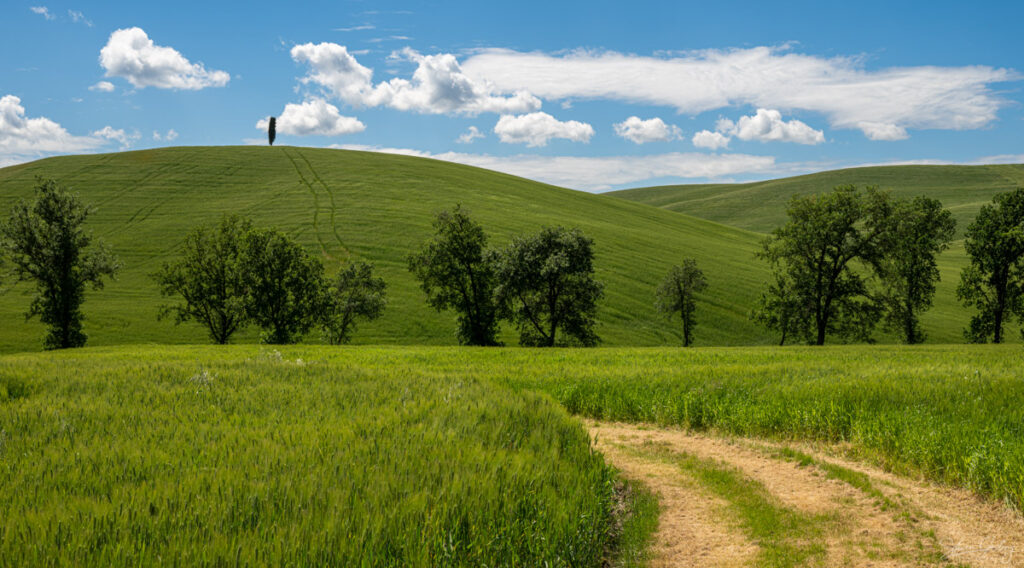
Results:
815 254
456 272
994 280
920 230
677 295
283 285
46 243
354 293
272 130
209 278
546 284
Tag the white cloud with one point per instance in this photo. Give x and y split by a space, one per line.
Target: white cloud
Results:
599 173
642 131
710 140
767 126
879 131
468 136
42 11
104 86
23 138
130 54
315 117
169 136
118 135
438 86
875 102
356 28
537 128
78 17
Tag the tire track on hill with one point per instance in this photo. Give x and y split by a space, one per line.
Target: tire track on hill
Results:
870 517
334 207
316 203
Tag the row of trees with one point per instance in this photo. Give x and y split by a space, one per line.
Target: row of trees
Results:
849 259
844 261
234 274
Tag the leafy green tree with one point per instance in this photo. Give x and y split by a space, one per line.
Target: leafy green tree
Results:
272 130
677 295
816 252
546 284
994 280
209 277
455 272
283 285
920 230
781 309
46 243
355 293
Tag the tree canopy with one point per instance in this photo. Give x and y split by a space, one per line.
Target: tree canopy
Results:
546 285
354 294
456 272
46 243
994 280
283 285
677 295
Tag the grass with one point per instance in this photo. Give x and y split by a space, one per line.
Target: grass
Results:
242 456
344 205
761 206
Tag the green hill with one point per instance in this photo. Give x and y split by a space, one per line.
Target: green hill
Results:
761 206
357 205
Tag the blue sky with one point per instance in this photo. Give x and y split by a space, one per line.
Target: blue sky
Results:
589 95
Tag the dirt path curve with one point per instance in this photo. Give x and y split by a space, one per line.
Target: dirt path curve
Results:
865 516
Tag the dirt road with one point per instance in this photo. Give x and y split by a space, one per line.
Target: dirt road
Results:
733 502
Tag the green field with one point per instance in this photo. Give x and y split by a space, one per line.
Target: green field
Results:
421 455
761 206
345 205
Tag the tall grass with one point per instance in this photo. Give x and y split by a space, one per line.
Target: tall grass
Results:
206 456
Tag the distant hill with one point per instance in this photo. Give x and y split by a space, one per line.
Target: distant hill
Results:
345 205
761 206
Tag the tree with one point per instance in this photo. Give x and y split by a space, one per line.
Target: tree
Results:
920 230
355 293
994 280
283 285
455 272
816 250
210 278
781 309
546 284
272 130
676 295
46 242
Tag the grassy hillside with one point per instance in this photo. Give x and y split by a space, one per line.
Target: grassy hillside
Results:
345 205
761 206
355 205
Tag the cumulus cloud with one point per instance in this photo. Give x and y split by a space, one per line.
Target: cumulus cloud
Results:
710 140
438 86
537 128
766 125
880 103
600 173
103 86
470 135
118 135
130 54
641 131
23 138
315 117
42 11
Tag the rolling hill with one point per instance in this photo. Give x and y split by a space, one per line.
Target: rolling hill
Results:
761 206
345 205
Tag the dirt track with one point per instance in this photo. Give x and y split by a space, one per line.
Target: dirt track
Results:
892 521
